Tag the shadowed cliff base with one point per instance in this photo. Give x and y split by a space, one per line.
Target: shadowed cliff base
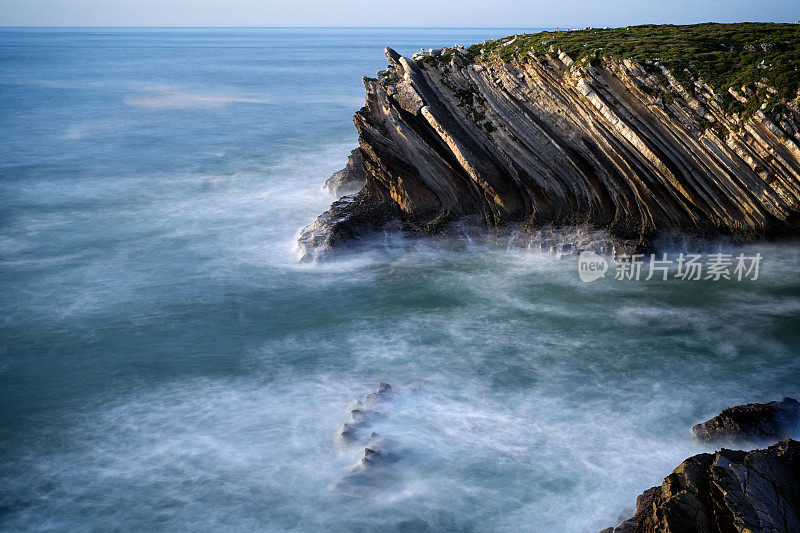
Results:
517 132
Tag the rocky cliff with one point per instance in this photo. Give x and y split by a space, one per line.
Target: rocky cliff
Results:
509 135
727 491
731 490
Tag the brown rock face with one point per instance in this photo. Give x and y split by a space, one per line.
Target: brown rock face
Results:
752 422
728 491
542 141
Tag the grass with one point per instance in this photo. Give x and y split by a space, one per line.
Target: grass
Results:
722 55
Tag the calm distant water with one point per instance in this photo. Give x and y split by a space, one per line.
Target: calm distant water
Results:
165 363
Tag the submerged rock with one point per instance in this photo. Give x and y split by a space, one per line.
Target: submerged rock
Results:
384 389
415 525
752 422
729 490
362 415
379 452
358 414
346 434
375 457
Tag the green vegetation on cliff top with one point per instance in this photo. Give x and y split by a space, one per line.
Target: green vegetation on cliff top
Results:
722 55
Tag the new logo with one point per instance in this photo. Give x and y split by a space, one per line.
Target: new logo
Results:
591 266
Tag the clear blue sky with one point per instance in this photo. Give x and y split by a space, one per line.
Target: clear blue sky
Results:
463 13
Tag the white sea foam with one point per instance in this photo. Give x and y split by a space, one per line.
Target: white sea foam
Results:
523 396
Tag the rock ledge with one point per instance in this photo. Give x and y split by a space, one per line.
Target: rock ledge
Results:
752 422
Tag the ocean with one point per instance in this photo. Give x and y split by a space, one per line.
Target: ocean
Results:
166 363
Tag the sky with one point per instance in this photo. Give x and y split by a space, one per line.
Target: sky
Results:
448 13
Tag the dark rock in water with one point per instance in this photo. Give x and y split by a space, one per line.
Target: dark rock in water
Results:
383 391
350 179
347 433
373 469
361 417
379 453
752 422
413 526
729 490
375 457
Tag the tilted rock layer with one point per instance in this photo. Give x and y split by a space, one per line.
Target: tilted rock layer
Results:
542 140
728 491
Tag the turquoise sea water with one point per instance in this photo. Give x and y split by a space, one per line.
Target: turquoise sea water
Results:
166 363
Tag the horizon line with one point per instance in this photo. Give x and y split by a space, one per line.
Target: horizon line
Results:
281 27
34 26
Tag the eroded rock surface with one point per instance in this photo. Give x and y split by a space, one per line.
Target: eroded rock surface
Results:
769 421
727 491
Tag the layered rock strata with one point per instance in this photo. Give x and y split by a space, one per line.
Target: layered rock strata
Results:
543 140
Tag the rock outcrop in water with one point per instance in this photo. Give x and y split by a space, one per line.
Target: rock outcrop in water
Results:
362 414
378 452
752 422
728 491
540 139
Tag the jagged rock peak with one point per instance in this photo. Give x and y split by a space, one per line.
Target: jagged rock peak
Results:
392 56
